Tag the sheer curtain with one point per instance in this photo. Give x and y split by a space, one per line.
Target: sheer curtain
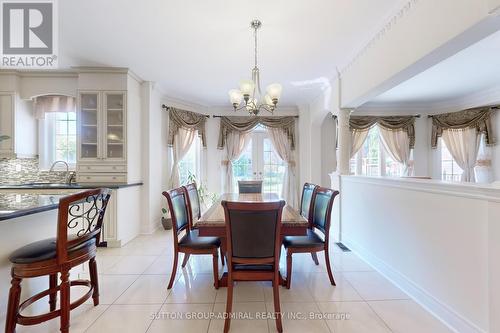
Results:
463 145
183 141
282 146
397 144
483 169
358 137
235 145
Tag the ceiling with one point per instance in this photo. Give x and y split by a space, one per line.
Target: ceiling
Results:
474 69
198 50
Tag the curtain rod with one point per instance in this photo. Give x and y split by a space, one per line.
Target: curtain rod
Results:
266 117
167 107
416 116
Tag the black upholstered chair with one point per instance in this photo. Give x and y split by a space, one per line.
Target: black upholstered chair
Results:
253 248
190 242
79 225
305 201
194 209
320 216
250 186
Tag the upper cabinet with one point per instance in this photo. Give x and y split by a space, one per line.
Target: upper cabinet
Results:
7 125
102 140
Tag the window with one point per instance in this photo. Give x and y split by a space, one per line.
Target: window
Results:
274 169
65 137
373 160
57 133
190 164
259 161
450 171
242 168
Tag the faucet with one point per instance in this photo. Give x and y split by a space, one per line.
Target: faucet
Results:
70 175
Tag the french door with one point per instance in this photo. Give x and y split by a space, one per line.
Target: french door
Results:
259 161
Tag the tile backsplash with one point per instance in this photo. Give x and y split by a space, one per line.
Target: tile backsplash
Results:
25 170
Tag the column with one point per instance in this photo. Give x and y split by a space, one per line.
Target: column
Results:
344 135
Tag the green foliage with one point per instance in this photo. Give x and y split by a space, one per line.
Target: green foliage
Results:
4 137
203 193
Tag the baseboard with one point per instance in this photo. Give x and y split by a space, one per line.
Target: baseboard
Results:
443 312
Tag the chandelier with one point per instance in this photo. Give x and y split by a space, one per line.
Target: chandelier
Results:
250 92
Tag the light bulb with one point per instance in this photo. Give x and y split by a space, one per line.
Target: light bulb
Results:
246 87
235 96
274 90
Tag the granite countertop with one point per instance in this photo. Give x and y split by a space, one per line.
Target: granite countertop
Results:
14 204
62 186
20 204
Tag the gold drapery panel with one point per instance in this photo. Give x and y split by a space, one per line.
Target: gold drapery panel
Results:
246 124
187 120
478 118
392 123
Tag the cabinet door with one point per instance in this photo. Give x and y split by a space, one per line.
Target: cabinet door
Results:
89 120
114 137
6 125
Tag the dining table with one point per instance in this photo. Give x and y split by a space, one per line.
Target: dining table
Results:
212 223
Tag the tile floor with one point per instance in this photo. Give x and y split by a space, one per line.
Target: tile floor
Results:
134 297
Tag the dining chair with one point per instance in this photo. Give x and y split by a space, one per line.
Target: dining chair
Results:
305 209
194 209
79 225
250 186
253 248
190 242
321 205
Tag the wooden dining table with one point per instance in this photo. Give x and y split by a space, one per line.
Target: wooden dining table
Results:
212 222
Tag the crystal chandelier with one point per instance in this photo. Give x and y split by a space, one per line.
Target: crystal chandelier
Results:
250 92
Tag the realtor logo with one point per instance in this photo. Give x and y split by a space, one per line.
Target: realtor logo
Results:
28 34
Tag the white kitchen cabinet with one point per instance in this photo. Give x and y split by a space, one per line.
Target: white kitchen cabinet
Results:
7 125
102 136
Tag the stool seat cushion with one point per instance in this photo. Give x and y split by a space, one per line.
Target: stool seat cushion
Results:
43 250
310 240
193 240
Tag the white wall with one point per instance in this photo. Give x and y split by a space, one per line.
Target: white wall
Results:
432 239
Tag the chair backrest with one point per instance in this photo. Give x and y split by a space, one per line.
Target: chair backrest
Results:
253 230
250 186
322 203
306 200
80 218
193 203
177 204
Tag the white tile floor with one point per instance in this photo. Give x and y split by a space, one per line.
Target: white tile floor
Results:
134 298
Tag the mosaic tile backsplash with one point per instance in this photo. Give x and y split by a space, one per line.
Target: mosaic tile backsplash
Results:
25 170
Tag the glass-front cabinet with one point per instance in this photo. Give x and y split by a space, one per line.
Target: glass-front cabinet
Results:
115 138
102 127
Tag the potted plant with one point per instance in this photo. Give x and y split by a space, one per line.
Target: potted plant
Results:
206 198
166 220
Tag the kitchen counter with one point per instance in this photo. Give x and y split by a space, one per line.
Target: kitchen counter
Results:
51 186
14 205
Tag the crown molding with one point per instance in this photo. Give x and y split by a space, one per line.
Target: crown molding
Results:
389 23
481 98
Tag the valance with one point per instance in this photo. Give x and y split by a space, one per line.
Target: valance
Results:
53 103
478 118
392 123
187 120
246 124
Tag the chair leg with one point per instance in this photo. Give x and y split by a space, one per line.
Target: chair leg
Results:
277 307
222 255
94 280
65 300
288 268
315 258
216 269
174 270
229 304
186 258
328 268
13 307
53 296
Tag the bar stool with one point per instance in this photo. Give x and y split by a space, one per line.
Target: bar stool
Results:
79 224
